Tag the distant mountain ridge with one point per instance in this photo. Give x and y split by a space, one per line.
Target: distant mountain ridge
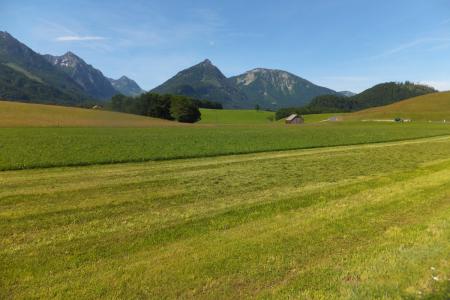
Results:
388 93
379 95
89 78
28 76
264 87
276 88
126 86
347 93
204 81
31 76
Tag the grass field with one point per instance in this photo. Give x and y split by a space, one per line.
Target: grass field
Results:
356 222
227 116
347 210
15 114
433 107
23 148
251 117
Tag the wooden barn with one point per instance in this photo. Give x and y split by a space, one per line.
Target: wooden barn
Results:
294 119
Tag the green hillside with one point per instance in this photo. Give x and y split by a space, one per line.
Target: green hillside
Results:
387 93
16 114
378 95
431 107
18 84
27 75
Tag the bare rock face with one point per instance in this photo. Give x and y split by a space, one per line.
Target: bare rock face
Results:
276 88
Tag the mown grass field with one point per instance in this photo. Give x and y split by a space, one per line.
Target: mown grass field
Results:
346 210
354 222
23 148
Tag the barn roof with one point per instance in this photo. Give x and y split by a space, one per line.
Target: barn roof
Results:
291 117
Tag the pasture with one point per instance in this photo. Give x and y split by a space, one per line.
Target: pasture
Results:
24 148
358 222
228 116
235 207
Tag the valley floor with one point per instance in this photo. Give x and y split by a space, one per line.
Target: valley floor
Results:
353 222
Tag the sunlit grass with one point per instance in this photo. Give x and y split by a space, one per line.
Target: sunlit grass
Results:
364 221
15 114
23 148
228 116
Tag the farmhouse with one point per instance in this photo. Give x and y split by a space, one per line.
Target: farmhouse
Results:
294 119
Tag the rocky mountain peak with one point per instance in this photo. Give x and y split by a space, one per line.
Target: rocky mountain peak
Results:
207 62
126 86
5 35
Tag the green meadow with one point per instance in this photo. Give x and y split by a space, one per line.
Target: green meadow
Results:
23 148
227 116
355 222
251 117
234 207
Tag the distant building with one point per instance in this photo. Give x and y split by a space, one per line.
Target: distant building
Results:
294 119
402 120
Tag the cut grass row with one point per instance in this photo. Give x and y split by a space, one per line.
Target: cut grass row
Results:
362 222
23 148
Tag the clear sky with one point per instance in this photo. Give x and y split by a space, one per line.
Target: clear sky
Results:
340 44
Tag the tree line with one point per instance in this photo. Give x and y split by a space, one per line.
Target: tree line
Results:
169 107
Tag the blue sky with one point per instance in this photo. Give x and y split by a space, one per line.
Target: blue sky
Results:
341 44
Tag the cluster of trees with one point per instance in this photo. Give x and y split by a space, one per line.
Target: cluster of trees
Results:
169 107
319 105
379 95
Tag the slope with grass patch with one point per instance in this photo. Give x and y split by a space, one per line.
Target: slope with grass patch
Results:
15 114
431 107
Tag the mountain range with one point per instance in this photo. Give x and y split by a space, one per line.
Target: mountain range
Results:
276 88
68 79
267 88
29 76
204 81
92 80
347 93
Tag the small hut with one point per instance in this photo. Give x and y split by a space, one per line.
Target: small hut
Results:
294 119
